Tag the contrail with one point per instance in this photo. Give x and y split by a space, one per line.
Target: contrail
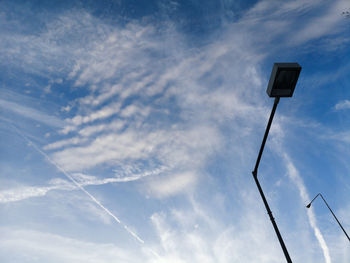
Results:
80 187
294 175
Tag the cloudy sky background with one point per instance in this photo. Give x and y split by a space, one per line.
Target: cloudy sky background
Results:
129 130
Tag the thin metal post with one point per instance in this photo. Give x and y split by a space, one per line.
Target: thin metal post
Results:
255 175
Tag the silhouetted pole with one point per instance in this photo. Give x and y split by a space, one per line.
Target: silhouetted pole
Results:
255 175
283 79
308 206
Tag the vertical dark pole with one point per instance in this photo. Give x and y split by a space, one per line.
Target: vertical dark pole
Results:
335 217
255 175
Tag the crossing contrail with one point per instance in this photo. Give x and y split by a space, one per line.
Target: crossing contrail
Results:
140 240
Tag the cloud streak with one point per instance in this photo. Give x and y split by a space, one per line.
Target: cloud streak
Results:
31 113
295 177
24 192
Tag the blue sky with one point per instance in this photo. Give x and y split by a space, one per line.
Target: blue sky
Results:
129 130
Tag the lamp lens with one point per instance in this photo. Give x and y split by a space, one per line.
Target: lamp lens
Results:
286 79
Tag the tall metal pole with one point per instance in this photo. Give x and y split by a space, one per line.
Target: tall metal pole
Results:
255 175
331 212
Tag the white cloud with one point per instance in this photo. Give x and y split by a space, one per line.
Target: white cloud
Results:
342 105
171 185
133 109
187 142
110 148
97 115
114 126
21 193
63 143
25 192
66 108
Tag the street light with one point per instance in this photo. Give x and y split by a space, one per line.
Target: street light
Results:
284 77
308 206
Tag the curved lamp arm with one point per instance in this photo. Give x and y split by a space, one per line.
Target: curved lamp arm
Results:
319 194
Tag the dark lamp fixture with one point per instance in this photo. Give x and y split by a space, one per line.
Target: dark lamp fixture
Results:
284 77
308 206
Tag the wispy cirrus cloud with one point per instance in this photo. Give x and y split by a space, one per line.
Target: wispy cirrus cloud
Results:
169 186
164 113
328 22
183 77
31 113
204 237
144 97
302 23
24 192
63 143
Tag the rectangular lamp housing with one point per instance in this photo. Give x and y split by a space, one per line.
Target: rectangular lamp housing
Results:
283 79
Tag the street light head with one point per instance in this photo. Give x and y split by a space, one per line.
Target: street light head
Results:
308 206
284 77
